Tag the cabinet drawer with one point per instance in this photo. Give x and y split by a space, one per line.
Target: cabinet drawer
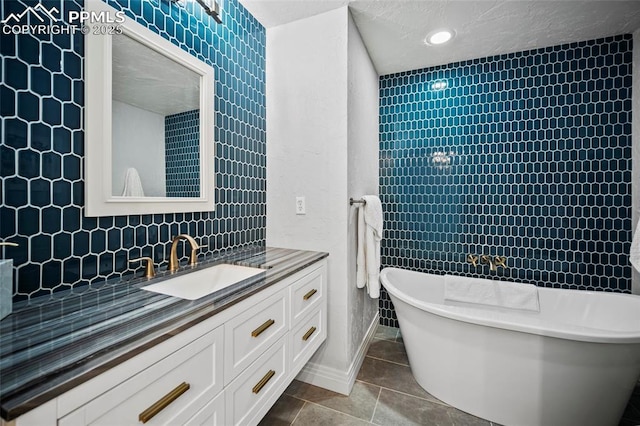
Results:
307 294
198 364
211 415
253 392
250 333
306 338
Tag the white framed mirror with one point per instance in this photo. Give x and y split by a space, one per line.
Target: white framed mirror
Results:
148 123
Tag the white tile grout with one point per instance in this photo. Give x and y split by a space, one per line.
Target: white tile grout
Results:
299 411
386 360
434 400
373 414
332 409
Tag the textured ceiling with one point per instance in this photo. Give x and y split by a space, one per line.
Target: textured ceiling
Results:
393 31
136 81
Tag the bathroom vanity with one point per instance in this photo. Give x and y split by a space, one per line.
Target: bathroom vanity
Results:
120 354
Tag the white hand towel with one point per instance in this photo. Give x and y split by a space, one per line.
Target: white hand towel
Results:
361 264
493 293
634 253
370 229
132 184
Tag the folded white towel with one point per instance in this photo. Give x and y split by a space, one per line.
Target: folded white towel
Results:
370 229
634 253
132 184
489 292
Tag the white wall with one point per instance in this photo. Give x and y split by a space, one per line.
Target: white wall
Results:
309 154
635 137
307 151
138 141
362 169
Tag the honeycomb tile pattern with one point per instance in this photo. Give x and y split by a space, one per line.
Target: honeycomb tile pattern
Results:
182 154
42 150
525 155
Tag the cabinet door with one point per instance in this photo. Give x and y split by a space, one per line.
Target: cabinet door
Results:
249 334
168 392
252 393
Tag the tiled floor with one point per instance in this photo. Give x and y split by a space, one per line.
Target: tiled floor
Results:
631 416
385 393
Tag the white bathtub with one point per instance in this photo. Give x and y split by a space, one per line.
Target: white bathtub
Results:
575 362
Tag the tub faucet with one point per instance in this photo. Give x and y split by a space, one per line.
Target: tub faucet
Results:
494 262
489 261
174 264
500 261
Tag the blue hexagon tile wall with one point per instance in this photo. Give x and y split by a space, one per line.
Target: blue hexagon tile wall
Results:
526 155
41 156
182 154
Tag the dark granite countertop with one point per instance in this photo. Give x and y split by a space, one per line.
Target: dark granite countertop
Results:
54 343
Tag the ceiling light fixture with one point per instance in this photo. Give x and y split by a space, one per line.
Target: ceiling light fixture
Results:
439 37
210 7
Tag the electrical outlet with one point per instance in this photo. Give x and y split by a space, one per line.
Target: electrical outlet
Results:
300 206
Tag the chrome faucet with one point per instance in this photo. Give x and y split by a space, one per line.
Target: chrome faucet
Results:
174 263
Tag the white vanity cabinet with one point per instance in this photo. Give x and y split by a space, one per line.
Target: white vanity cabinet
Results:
226 370
190 376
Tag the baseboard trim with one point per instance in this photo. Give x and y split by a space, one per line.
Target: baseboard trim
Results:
334 379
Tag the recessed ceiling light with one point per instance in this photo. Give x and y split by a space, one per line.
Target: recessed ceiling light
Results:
439 37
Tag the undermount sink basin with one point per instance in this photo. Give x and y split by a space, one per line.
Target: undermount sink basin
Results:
195 285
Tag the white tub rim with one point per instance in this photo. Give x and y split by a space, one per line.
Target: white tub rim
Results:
474 315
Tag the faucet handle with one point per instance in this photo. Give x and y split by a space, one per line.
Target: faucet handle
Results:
149 271
193 259
500 261
9 243
488 260
473 260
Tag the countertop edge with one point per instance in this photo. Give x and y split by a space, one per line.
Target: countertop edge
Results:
33 397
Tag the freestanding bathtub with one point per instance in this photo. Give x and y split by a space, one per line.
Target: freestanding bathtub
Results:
575 362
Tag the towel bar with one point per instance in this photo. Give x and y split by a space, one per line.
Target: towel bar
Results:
352 201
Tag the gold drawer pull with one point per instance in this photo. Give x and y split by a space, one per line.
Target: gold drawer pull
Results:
258 331
308 334
308 295
258 387
163 402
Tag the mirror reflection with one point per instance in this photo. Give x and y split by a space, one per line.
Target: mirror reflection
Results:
155 125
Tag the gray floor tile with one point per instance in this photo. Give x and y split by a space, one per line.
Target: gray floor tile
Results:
283 412
402 401
393 376
632 412
316 415
388 351
398 409
460 418
386 333
360 403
